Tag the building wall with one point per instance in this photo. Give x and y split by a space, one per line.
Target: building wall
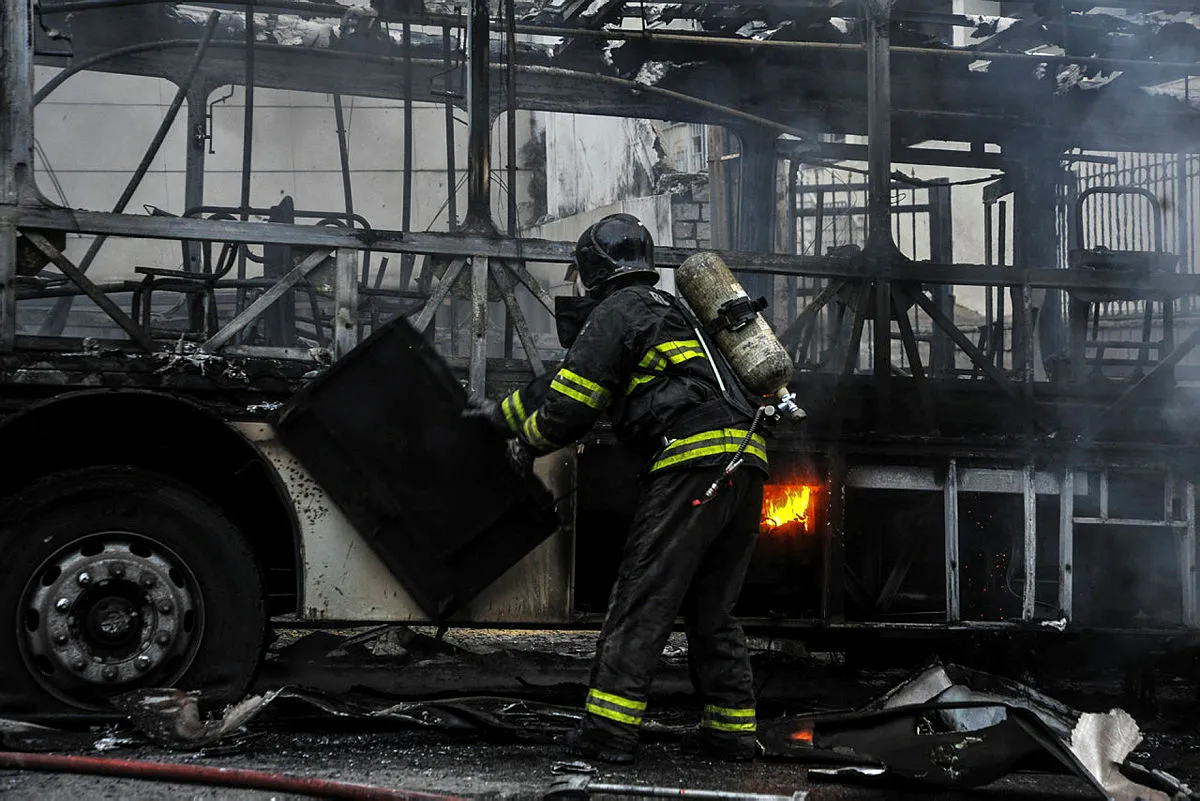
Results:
592 162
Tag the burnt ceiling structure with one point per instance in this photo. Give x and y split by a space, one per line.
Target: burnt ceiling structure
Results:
1069 73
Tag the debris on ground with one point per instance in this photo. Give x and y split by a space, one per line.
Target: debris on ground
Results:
952 727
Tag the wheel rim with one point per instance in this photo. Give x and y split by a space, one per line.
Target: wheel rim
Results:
107 613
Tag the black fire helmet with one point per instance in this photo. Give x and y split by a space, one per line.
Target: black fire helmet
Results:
616 246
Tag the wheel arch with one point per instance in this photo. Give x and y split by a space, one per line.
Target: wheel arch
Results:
172 435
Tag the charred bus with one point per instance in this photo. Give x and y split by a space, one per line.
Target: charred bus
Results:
226 384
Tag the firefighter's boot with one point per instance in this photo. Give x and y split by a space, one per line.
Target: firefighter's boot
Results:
725 747
591 742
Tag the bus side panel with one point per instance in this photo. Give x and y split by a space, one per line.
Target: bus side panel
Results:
343 579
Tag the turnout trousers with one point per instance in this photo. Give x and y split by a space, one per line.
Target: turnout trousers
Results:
680 558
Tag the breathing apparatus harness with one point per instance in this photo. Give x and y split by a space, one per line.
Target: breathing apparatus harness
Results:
734 395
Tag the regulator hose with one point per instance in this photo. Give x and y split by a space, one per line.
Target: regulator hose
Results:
201 774
734 463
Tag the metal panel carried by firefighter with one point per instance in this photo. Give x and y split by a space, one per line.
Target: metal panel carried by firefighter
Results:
431 493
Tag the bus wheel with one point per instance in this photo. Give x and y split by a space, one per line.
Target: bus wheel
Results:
119 578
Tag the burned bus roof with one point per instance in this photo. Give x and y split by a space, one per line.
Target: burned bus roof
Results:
1085 78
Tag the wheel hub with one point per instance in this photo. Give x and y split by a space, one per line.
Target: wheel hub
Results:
109 611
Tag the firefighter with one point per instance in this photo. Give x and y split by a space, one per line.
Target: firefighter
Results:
635 354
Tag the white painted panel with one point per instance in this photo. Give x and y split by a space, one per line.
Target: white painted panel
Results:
344 579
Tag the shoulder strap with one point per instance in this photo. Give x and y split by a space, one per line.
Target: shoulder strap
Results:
731 386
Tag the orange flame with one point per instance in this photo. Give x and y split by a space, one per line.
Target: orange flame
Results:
804 735
787 509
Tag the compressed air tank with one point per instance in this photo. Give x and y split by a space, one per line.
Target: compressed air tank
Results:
734 322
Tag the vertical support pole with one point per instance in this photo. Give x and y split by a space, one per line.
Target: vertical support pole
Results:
407 260
479 215
16 101
1029 594
1104 494
753 229
193 193
720 177
791 247
941 250
1169 498
247 147
1066 542
879 124
197 152
510 151
345 318
1187 560
1183 247
477 373
882 329
339 118
989 311
1027 357
16 146
832 558
953 600
8 287
791 221
1001 291
510 122
451 167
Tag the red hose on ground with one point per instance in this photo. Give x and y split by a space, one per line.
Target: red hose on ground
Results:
200 774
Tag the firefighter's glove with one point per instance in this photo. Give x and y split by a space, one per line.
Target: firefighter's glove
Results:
520 457
488 411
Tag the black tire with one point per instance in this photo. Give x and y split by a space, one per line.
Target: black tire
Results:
118 578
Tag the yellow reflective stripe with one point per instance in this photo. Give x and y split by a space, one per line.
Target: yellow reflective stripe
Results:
506 405
714 724
679 345
724 718
658 357
638 380
628 703
674 352
684 355
712 450
730 712
573 394
584 390
516 398
652 361
735 434
586 383
710 443
533 434
612 714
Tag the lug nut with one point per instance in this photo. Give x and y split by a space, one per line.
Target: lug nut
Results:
162 638
60 639
142 663
116 571
109 673
62 604
148 580
84 579
78 664
166 607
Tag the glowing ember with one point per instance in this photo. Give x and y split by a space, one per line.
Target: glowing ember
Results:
804 735
787 509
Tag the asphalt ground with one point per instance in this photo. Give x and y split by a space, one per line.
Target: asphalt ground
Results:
552 667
